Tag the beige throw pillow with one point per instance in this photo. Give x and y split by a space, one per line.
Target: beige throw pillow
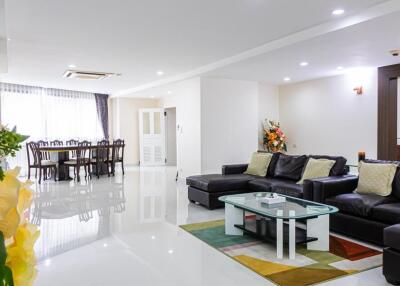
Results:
259 164
317 168
375 178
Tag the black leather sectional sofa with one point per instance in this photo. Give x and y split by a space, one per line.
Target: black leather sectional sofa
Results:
363 216
282 174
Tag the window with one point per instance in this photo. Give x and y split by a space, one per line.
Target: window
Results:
48 114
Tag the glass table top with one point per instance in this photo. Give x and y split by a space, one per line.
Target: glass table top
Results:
292 208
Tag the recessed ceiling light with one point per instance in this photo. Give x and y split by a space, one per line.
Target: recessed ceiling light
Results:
72 66
160 73
105 245
169 92
338 12
286 79
8 39
151 96
304 64
170 251
153 237
339 68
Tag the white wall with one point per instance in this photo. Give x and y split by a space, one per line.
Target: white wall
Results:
325 116
185 98
229 122
125 124
268 107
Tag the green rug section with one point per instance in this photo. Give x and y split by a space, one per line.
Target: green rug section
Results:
216 237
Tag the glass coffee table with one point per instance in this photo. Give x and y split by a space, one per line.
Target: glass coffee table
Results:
292 222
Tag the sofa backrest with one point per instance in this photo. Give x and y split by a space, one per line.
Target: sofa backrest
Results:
290 167
396 180
339 168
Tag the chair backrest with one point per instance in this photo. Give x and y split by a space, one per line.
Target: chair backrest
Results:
118 149
83 151
32 149
56 143
71 142
43 155
102 150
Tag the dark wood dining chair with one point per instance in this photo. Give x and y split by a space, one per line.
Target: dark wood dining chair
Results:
37 161
72 142
83 155
117 155
100 157
56 143
45 155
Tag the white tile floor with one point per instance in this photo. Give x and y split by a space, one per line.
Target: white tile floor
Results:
124 231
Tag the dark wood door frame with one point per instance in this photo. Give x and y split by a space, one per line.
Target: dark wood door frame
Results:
387 111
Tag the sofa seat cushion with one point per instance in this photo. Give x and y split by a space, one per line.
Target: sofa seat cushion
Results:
391 236
219 183
357 204
387 213
280 186
288 189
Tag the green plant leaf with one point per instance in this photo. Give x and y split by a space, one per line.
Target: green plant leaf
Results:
6 278
5 272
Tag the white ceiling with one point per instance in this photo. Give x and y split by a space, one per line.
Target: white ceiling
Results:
363 45
137 38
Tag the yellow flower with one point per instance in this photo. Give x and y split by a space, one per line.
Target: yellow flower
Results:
9 191
21 256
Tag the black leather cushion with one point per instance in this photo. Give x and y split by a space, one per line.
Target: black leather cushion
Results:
288 189
272 164
280 186
387 213
357 204
219 183
391 236
338 168
396 180
260 185
290 167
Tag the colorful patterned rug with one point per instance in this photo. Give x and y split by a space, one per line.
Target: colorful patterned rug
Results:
309 268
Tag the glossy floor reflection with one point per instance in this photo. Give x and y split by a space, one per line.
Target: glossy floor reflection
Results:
124 230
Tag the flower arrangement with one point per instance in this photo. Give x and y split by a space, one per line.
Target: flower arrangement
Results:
274 138
17 236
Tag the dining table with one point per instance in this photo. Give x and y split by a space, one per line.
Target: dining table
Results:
61 154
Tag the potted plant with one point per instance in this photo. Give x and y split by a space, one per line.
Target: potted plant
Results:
274 138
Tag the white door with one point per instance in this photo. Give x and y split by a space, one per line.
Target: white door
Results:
152 137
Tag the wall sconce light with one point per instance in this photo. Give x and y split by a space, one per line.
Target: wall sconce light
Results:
359 90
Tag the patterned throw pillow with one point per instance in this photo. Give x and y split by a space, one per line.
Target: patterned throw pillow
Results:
259 164
317 168
375 178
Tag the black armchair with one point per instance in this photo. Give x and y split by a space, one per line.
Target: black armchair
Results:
391 254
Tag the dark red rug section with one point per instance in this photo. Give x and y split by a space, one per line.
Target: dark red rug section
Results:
350 250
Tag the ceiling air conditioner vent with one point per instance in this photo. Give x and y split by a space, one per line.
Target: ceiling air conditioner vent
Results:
87 74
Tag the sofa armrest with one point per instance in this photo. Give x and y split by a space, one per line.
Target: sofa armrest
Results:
391 236
326 187
234 169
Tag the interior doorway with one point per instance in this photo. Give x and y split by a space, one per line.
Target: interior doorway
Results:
170 136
